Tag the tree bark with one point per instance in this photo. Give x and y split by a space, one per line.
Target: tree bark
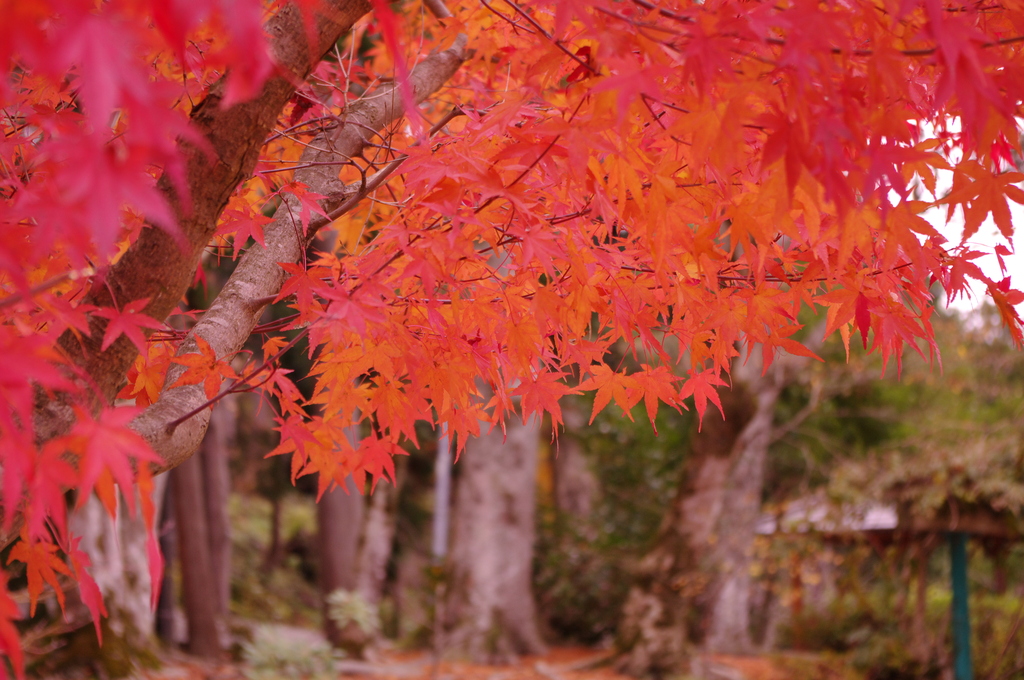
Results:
695 586
663 610
275 550
491 615
167 532
216 456
729 628
339 516
576 486
120 566
375 546
199 591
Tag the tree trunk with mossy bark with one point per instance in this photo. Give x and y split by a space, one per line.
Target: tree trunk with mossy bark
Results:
663 610
120 566
695 587
490 612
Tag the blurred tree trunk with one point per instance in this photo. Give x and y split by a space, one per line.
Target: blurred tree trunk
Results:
575 485
199 590
199 491
275 551
168 602
695 585
200 500
339 516
378 537
220 441
490 612
663 608
120 566
729 628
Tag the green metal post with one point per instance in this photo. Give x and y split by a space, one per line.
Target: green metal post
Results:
962 667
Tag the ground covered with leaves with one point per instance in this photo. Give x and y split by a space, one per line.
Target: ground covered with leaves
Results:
559 663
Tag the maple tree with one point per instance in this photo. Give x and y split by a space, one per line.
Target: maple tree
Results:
678 177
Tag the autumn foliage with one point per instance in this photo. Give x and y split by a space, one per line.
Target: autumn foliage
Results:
676 178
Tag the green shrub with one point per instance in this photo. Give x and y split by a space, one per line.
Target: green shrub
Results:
876 646
886 655
580 585
826 666
357 621
271 656
997 645
838 627
349 608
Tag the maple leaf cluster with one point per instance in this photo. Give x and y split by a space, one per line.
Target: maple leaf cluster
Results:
677 179
674 179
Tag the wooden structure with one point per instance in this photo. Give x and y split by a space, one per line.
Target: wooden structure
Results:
883 523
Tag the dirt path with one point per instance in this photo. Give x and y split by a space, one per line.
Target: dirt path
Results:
560 663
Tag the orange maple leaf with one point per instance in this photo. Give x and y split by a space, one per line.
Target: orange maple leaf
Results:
611 385
42 566
204 367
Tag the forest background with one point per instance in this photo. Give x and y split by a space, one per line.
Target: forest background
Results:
651 204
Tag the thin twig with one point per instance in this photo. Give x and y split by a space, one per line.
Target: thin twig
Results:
73 275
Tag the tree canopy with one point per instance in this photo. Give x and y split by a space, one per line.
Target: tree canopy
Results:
674 178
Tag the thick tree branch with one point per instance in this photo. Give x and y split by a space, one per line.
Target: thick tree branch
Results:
438 9
157 266
257 278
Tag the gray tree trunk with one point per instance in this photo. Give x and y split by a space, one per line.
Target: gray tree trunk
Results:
576 487
729 629
375 548
120 567
411 599
695 586
167 606
664 608
490 613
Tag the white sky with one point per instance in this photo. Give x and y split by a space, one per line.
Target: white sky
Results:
987 238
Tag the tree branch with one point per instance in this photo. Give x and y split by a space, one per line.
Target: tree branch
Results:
257 278
160 267
157 267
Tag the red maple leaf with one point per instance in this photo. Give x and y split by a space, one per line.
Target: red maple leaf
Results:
10 642
128 321
542 392
703 388
107 445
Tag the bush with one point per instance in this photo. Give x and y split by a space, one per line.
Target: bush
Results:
580 586
815 667
886 655
837 628
271 656
875 645
357 620
998 644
